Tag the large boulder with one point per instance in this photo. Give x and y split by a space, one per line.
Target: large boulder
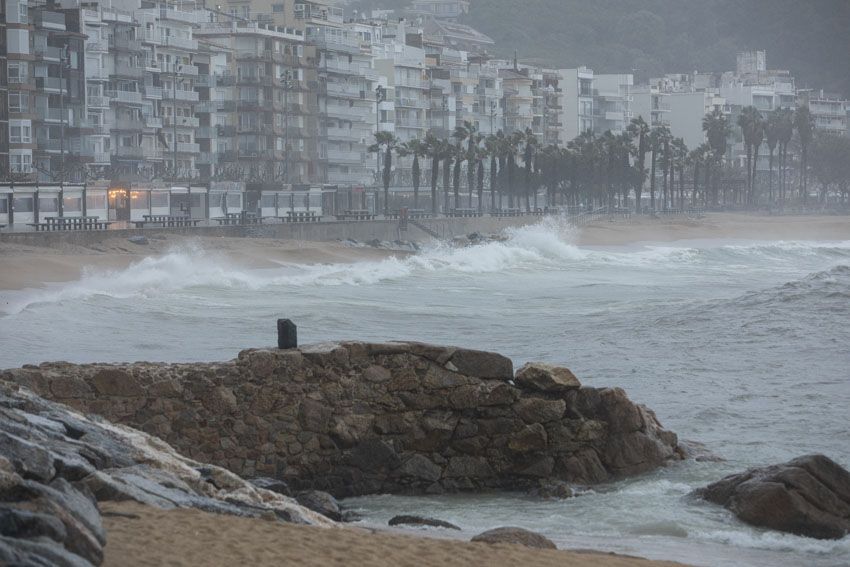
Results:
517 536
808 496
320 502
546 378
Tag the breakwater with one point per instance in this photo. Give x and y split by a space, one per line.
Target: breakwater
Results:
360 418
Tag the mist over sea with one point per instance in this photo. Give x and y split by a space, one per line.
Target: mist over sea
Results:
741 345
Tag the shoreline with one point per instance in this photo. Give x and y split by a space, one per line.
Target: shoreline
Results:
27 266
192 537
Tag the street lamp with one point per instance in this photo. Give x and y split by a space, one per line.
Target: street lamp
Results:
64 62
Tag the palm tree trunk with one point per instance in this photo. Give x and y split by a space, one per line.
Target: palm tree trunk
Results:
415 171
435 172
447 180
480 185
456 183
652 183
493 177
388 161
770 177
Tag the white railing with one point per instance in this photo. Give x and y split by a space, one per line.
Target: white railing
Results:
131 97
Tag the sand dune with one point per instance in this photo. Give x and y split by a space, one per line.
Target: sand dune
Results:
140 535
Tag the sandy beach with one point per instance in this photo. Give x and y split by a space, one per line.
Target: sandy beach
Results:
186 537
26 266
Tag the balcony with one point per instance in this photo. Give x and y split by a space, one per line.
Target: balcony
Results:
47 52
49 20
125 97
99 45
48 83
123 69
182 122
348 112
414 103
153 153
206 81
207 158
55 114
153 121
128 124
153 93
129 152
124 44
345 134
188 148
181 16
346 91
100 157
189 96
343 157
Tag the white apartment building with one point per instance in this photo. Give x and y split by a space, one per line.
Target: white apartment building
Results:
687 110
653 104
830 112
612 102
577 87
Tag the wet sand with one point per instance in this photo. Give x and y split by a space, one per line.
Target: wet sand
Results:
23 266
141 535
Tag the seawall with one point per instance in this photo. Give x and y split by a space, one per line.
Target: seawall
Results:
357 418
317 232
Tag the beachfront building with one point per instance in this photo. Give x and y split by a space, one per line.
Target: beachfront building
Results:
612 102
652 103
518 99
450 10
828 111
577 87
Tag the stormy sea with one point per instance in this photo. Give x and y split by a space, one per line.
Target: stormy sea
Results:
740 345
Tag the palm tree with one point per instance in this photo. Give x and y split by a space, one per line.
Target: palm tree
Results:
786 132
433 148
639 129
680 156
804 123
657 138
414 148
529 140
747 121
492 149
385 142
717 129
758 138
771 130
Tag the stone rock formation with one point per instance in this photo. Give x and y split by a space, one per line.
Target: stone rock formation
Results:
407 520
517 536
357 418
808 496
55 464
320 502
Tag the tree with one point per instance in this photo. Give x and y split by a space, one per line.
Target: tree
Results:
717 130
415 148
830 161
804 123
658 136
529 141
433 148
758 138
680 157
786 132
771 131
639 129
385 142
492 149
747 121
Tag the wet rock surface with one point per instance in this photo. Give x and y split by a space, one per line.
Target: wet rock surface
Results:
807 496
353 418
516 536
408 520
56 464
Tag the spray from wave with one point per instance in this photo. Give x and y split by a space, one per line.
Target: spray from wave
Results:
547 245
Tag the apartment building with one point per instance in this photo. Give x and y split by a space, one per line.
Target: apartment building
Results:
518 100
829 112
612 102
577 88
4 100
652 103
403 67
687 110
261 117
440 9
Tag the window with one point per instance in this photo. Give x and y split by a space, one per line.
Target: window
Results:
139 199
20 134
277 8
18 102
22 204
4 205
17 72
267 200
234 200
73 204
21 163
95 201
48 204
159 198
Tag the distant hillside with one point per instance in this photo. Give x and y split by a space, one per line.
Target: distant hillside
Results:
809 37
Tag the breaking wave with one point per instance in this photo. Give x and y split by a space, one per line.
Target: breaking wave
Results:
548 245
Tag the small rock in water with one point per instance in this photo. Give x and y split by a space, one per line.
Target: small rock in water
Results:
518 536
406 520
808 496
699 452
140 239
555 489
320 502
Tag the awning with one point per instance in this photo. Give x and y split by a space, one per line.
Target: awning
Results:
179 190
197 189
5 190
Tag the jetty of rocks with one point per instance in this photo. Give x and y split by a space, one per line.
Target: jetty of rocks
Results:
355 418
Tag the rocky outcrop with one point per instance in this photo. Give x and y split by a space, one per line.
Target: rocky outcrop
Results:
516 536
55 465
808 496
357 418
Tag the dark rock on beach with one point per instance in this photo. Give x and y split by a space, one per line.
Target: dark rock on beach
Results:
517 536
808 496
406 520
320 502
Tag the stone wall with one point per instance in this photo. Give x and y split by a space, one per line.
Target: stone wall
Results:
355 418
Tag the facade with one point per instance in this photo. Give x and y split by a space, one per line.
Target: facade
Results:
652 103
687 110
828 111
577 87
612 102
440 9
